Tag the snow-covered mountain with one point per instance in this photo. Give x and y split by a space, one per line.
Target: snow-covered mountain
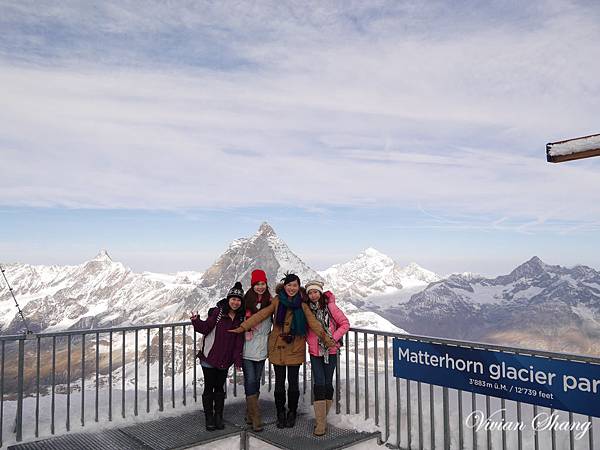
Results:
102 292
536 305
97 293
372 278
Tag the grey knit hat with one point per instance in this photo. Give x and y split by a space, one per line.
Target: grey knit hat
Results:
314 284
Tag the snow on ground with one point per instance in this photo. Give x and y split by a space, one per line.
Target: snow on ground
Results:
222 444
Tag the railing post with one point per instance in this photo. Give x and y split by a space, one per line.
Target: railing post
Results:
2 392
37 387
82 380
366 364
183 346
110 370
387 388
160 369
21 365
347 337
446 408
173 366
135 377
68 418
338 387
123 376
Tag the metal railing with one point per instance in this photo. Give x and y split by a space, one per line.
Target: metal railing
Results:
152 365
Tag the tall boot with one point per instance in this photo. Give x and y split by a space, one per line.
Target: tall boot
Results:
247 418
254 412
209 415
293 397
280 405
320 417
219 405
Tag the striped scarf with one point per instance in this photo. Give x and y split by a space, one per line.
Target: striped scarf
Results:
323 316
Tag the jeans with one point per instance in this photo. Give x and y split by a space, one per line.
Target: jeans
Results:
323 374
214 380
253 371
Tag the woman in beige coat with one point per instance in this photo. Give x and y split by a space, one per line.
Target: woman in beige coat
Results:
287 342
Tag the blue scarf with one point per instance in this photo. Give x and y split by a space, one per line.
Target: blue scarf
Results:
298 327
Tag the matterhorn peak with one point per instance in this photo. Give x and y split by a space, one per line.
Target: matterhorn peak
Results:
103 256
266 230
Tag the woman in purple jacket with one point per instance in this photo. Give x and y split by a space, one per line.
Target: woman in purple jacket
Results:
219 351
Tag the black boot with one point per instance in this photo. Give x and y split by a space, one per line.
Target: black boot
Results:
292 408
209 415
219 405
280 405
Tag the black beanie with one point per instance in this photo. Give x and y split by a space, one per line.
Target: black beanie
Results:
236 291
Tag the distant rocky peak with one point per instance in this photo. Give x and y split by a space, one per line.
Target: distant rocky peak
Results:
373 254
413 270
370 251
265 230
102 256
529 269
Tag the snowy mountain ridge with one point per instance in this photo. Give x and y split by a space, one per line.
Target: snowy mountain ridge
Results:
103 293
536 305
373 273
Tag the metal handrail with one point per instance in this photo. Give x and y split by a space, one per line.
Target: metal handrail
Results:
483 346
16 337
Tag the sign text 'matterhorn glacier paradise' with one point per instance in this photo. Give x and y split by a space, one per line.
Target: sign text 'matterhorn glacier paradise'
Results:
565 385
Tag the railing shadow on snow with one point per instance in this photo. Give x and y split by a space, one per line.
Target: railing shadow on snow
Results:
46 375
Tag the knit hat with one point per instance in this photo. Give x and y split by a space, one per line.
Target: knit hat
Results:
314 284
236 291
258 276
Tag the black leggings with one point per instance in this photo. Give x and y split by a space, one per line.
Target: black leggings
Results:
292 376
214 379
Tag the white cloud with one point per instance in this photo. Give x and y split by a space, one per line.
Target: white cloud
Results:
345 106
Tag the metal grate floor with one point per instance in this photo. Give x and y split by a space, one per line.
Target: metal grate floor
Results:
109 440
237 415
301 436
177 432
188 430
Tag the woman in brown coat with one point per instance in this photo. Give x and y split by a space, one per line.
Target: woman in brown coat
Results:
287 342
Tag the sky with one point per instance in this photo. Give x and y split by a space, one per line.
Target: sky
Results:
161 131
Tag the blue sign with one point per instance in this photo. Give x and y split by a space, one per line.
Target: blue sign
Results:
564 385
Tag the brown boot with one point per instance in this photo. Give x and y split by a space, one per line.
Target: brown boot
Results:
329 403
254 412
320 417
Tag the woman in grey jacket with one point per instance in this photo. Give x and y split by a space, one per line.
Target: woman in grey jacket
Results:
255 346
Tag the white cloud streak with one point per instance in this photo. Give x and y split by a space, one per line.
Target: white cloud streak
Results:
330 106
